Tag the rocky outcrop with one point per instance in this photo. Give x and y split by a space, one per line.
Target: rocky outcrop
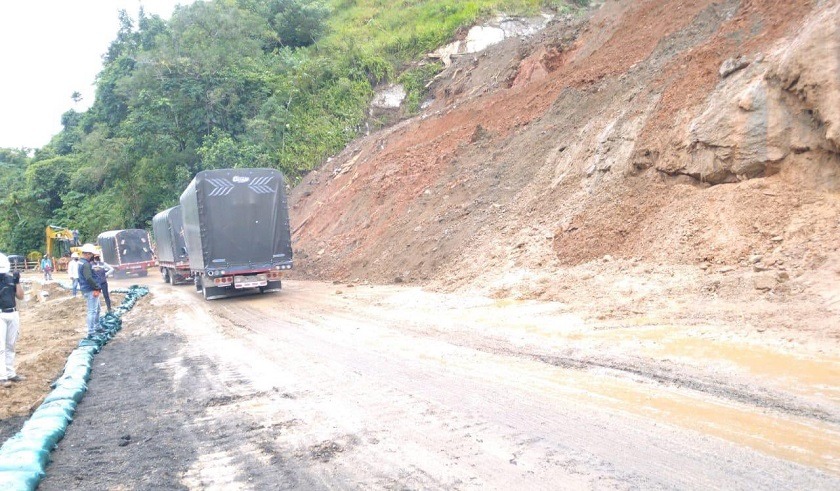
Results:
810 69
767 113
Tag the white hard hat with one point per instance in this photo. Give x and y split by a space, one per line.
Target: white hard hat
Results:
5 265
89 248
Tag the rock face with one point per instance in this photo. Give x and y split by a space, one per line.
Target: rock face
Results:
809 68
774 110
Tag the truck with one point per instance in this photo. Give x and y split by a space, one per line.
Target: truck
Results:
236 230
168 229
128 251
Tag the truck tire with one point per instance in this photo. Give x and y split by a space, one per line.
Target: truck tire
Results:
165 273
198 286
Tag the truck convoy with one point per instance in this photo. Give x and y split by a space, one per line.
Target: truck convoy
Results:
168 229
127 251
236 231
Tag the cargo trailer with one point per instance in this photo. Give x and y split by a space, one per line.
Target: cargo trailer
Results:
168 229
236 231
128 251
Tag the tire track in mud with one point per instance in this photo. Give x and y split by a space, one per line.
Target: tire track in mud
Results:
675 376
752 396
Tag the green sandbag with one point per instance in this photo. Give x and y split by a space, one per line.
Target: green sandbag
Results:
52 412
27 460
66 391
19 480
78 373
47 431
79 357
89 344
66 405
19 442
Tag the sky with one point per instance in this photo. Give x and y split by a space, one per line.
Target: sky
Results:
50 49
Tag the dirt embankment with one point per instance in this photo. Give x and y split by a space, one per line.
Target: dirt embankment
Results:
643 137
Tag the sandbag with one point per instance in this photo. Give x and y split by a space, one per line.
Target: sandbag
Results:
19 480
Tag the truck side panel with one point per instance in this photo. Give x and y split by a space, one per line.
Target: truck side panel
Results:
168 229
236 220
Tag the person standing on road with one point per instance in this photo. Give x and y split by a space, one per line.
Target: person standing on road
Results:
73 272
89 287
47 267
101 271
10 291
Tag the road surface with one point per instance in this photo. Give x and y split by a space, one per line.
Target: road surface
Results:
334 386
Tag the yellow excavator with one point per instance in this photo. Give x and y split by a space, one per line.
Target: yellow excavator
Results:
60 241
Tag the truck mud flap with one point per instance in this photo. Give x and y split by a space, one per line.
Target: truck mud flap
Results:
272 286
214 292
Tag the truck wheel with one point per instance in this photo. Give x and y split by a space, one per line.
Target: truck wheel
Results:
165 273
197 281
173 276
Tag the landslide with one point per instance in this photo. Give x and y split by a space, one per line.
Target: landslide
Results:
643 138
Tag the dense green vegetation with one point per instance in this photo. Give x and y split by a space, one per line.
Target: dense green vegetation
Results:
223 83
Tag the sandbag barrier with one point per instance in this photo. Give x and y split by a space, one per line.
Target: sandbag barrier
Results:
24 456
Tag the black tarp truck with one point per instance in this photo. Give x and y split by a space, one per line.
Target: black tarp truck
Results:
236 229
168 229
128 251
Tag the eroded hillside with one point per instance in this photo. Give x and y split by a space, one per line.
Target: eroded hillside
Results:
643 139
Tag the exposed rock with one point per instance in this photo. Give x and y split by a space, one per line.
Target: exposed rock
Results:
732 65
765 127
481 37
390 97
764 282
810 68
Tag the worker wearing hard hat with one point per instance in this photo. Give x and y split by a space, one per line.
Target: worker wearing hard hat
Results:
10 292
89 287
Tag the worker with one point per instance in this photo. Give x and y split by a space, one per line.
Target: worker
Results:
101 271
10 291
47 267
89 288
73 272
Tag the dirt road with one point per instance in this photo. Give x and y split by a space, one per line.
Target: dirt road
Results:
337 386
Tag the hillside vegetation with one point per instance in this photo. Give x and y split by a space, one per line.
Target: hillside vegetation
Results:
246 83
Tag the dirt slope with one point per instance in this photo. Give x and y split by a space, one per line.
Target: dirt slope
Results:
647 139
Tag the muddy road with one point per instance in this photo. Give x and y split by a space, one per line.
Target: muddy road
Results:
354 386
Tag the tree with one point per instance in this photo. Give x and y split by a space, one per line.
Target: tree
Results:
298 23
